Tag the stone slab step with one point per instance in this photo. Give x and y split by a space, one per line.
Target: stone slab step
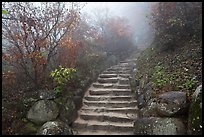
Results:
113 98
107 75
123 86
110 72
110 104
108 85
124 75
114 69
107 80
110 91
103 85
108 116
124 81
100 132
129 110
128 61
124 72
105 126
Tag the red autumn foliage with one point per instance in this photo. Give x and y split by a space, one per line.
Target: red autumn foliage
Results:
34 37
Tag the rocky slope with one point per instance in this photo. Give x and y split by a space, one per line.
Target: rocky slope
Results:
166 84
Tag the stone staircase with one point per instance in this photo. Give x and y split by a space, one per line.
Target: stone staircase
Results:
109 107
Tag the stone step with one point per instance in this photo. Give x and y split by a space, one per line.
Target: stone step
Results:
103 85
124 75
108 116
123 86
128 61
100 125
126 69
108 85
113 98
109 107
101 132
114 69
129 110
110 104
110 72
124 72
107 80
124 81
109 91
123 63
107 75
121 68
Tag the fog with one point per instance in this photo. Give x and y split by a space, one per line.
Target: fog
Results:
137 17
135 12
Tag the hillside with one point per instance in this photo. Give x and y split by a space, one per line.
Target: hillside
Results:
180 69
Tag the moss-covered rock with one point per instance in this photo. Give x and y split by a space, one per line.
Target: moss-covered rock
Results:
172 103
195 113
30 128
68 111
159 126
149 110
55 128
43 111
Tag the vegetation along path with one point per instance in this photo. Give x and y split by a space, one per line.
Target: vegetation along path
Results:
109 106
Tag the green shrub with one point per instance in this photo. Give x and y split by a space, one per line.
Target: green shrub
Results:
158 77
189 84
65 77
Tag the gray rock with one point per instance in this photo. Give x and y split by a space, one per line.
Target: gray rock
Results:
47 94
68 111
142 83
141 101
43 111
148 86
195 113
78 92
197 93
137 92
77 101
148 92
159 126
55 128
149 110
172 103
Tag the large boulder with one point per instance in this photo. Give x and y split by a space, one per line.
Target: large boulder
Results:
159 126
195 113
43 111
68 111
55 128
172 103
149 110
47 94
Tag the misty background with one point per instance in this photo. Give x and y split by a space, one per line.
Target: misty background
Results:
136 13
